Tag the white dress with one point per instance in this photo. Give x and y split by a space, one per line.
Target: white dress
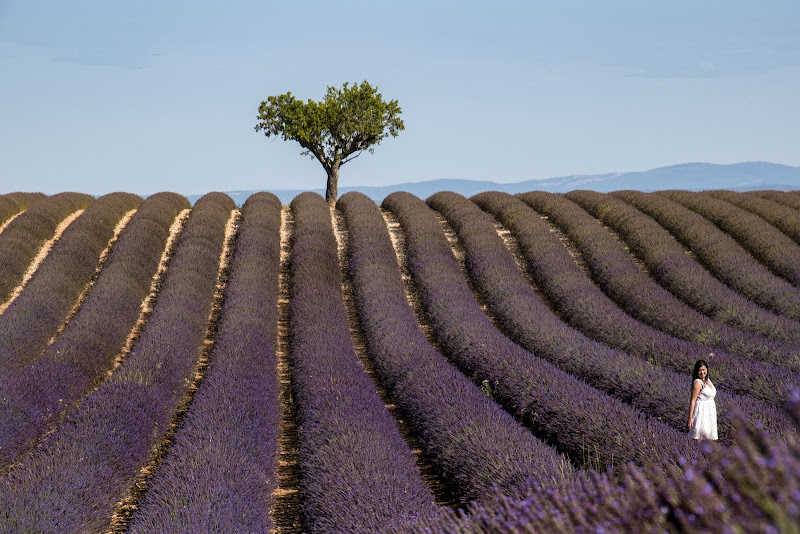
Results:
704 418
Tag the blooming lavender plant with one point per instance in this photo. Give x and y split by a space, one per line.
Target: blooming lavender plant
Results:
683 276
571 292
580 421
472 441
751 487
74 480
39 394
12 204
24 236
614 270
221 469
787 198
34 317
718 252
356 472
765 242
530 322
784 218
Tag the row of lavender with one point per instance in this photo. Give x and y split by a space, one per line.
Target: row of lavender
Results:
686 278
472 442
572 294
719 252
786 219
220 471
37 395
787 198
356 472
33 318
12 204
471 463
764 241
756 489
75 479
21 240
580 421
527 320
613 269
751 487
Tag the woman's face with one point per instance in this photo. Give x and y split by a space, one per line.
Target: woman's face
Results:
702 372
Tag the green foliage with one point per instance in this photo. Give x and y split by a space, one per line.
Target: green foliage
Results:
349 120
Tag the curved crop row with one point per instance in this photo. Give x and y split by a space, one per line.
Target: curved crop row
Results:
582 422
474 443
25 235
718 252
782 217
36 396
752 487
528 321
12 204
668 262
220 472
24 198
584 306
73 481
32 319
356 472
787 198
765 242
616 273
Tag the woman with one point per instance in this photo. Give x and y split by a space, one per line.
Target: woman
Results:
702 410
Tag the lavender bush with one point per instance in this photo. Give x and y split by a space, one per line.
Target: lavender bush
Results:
25 235
787 198
615 272
36 396
752 487
474 444
718 252
36 314
356 472
583 423
571 292
530 322
765 242
674 269
13 203
784 218
221 469
73 481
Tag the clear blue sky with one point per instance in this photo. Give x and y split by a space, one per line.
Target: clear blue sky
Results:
99 96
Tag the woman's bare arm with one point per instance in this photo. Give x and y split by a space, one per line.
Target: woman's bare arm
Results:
697 385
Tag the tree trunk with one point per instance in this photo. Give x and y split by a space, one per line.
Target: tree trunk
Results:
332 192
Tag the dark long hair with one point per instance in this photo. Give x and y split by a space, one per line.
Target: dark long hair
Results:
697 366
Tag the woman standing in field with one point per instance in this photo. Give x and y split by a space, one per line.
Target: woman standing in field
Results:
702 410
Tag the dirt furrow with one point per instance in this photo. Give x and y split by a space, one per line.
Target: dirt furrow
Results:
126 507
398 239
461 255
40 256
103 257
286 513
437 486
10 219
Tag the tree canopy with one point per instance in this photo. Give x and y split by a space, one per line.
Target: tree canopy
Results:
349 120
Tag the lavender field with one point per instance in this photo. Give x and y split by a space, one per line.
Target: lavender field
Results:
501 363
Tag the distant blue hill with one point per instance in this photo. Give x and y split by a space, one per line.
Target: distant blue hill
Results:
690 176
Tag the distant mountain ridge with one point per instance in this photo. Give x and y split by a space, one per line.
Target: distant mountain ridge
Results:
745 176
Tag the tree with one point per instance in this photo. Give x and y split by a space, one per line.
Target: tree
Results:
350 120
